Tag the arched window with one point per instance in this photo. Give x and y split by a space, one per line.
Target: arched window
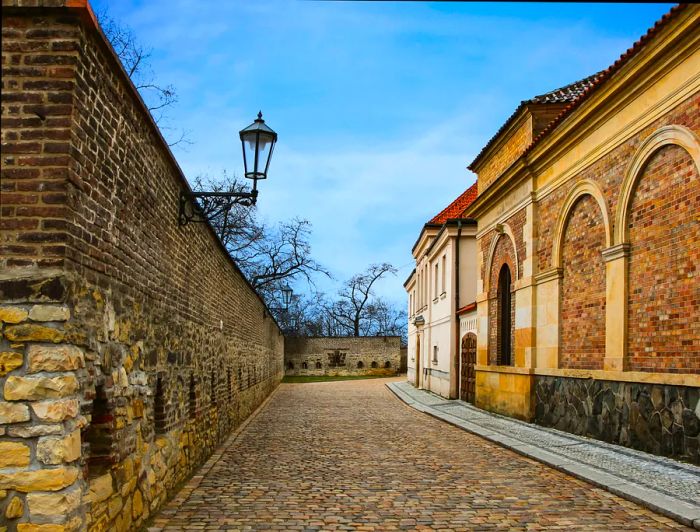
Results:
290 365
374 363
387 364
360 365
304 365
505 318
319 365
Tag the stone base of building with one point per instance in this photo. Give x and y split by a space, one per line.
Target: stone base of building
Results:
662 419
505 390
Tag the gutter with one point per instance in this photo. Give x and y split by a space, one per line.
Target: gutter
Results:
457 335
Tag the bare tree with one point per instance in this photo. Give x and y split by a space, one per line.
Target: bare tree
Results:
268 256
136 61
350 310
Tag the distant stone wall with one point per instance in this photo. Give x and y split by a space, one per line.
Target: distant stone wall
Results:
656 418
130 346
375 355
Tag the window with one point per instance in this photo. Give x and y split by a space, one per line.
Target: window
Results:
387 364
505 323
304 365
319 365
360 365
374 364
435 354
444 274
159 417
193 397
290 365
436 280
99 434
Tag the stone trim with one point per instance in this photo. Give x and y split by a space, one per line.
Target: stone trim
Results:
582 188
549 275
671 134
616 252
505 369
677 379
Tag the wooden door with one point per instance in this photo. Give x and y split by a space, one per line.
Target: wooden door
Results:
467 380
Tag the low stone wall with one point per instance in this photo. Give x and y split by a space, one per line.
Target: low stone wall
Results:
343 356
656 418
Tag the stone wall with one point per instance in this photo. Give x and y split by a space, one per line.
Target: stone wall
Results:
374 355
656 418
130 346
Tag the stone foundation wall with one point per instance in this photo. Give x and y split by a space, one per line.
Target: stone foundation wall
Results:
130 346
343 356
656 418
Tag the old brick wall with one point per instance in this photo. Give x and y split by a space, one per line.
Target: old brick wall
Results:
673 192
512 148
131 346
582 339
369 355
664 265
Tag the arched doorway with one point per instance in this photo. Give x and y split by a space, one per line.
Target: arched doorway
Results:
467 375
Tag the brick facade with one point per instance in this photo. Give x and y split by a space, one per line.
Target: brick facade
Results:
131 346
582 342
380 355
664 295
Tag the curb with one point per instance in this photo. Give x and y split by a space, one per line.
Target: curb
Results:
681 511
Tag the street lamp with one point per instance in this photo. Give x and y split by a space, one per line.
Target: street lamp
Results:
258 141
287 295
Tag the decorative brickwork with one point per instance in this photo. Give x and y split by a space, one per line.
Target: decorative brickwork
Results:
664 271
504 253
582 340
370 355
111 309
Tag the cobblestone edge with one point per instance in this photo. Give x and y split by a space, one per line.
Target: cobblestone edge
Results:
171 507
661 503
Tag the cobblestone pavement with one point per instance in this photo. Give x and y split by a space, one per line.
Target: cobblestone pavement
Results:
350 456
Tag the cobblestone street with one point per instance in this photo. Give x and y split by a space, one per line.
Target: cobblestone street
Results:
350 456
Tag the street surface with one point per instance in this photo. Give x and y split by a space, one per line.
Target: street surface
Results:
350 456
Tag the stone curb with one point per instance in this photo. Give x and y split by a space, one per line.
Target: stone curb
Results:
661 503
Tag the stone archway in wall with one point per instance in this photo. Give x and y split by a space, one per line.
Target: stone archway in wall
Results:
582 300
501 342
659 206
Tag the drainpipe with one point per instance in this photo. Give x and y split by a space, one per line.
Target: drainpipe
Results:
457 331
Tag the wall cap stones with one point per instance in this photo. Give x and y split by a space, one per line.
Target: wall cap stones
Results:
616 252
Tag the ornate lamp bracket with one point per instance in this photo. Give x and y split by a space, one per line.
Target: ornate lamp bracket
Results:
200 207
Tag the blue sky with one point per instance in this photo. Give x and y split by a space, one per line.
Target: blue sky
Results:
379 107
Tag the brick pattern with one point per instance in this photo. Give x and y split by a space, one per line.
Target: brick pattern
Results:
38 70
506 155
503 254
378 465
582 341
608 173
380 355
90 200
664 295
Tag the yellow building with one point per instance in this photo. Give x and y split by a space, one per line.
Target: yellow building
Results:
588 295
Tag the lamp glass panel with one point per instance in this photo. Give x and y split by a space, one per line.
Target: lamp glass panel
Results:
249 148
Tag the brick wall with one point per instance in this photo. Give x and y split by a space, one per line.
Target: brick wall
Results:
582 341
677 195
512 148
131 346
664 295
372 355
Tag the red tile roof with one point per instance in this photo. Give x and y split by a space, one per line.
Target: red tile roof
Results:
456 208
606 74
567 94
